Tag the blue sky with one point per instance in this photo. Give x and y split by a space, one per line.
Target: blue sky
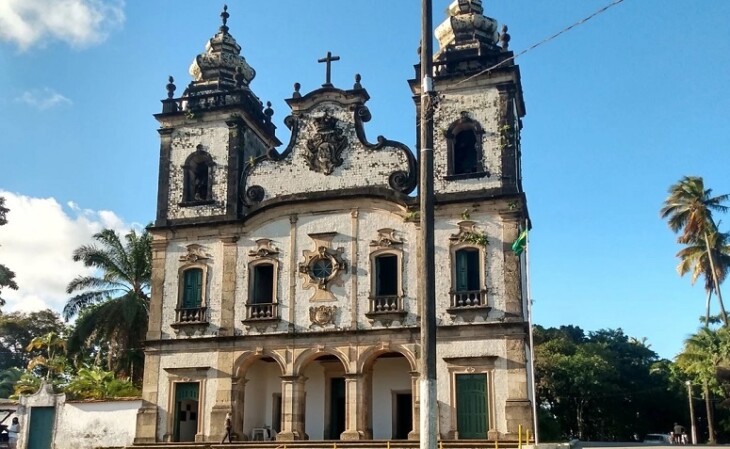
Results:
617 110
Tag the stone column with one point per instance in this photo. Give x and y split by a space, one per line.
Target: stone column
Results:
356 408
292 405
159 255
228 289
414 434
238 392
512 270
163 181
222 400
146 432
517 409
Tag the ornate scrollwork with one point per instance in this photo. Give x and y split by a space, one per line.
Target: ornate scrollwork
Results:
255 194
322 315
386 239
400 181
194 253
264 249
324 151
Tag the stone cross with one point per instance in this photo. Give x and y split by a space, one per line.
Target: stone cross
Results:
328 60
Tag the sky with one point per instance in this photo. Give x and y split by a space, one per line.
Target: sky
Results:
618 109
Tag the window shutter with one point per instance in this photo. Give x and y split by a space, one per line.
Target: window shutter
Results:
473 270
193 288
462 273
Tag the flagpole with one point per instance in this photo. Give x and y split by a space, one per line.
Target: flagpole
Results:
530 333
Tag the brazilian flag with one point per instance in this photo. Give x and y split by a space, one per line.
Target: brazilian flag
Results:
521 243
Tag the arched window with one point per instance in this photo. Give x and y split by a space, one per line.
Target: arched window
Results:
262 284
468 277
467 270
263 273
197 180
464 146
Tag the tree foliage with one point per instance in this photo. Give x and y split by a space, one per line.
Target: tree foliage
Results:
18 329
688 210
112 305
602 386
96 383
6 275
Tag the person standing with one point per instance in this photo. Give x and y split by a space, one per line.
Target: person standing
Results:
678 430
229 426
13 432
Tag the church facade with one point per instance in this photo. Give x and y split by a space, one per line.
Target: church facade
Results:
284 286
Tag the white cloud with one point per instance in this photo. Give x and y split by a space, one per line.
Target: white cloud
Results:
42 98
79 23
37 244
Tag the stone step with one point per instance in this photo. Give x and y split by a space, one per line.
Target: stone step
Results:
330 444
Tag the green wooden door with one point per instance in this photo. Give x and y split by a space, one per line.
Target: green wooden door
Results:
40 431
186 410
472 411
193 288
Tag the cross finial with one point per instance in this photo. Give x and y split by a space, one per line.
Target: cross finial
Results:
328 60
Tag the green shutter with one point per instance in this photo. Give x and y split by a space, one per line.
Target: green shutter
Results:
472 411
192 288
462 273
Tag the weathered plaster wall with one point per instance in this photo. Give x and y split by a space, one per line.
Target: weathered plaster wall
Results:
213 137
361 167
482 104
394 374
88 425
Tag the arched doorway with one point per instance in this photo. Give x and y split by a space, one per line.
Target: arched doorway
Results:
325 398
258 405
391 396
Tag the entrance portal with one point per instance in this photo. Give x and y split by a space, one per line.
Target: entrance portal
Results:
186 411
472 412
403 415
40 430
337 408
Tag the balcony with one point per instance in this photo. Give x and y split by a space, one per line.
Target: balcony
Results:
262 312
386 309
469 301
193 320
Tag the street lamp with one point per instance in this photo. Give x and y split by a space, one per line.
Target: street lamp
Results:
691 411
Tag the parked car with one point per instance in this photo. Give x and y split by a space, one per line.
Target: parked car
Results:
657 438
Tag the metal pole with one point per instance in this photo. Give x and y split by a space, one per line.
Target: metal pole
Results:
532 340
691 411
428 406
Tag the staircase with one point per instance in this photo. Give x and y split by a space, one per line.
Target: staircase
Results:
332 444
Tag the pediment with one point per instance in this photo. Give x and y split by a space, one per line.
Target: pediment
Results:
328 152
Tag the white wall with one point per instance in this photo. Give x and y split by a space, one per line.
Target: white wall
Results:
87 425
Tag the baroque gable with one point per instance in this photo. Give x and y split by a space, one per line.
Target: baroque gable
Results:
329 153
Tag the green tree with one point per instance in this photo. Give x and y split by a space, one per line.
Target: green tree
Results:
700 358
8 379
17 329
96 383
694 258
6 275
53 360
112 305
688 210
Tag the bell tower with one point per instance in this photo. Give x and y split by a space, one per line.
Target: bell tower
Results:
209 134
478 109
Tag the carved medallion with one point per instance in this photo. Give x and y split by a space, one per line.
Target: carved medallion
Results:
322 267
324 150
195 253
322 315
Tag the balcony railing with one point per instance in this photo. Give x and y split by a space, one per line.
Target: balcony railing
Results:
386 304
264 311
193 315
469 299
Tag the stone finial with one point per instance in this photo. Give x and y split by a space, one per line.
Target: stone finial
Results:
170 87
357 84
268 112
504 38
296 93
224 18
239 77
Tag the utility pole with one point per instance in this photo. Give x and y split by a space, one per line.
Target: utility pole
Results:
428 406
691 411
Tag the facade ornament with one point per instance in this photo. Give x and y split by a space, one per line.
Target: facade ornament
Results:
468 233
322 267
386 239
194 253
322 315
264 249
324 150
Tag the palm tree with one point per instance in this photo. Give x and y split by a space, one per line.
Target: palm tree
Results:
54 360
688 209
694 258
702 354
96 383
112 304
